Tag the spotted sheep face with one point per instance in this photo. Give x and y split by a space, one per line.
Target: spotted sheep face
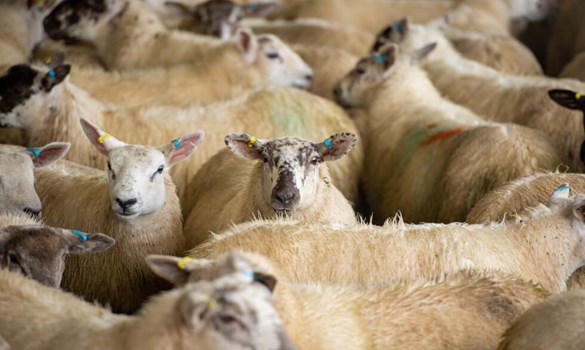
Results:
25 90
137 173
80 20
17 179
282 65
220 18
39 252
290 173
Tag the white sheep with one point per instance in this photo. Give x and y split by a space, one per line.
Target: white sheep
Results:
44 104
230 313
556 323
426 156
498 96
465 310
134 202
279 177
309 252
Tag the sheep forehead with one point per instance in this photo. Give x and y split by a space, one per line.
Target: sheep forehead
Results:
289 153
136 157
15 163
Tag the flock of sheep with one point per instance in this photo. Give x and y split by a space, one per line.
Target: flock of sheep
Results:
372 174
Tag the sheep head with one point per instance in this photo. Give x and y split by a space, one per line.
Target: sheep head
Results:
17 193
137 173
39 252
571 100
290 174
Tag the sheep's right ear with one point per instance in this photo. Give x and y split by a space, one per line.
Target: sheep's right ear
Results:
247 43
48 154
181 149
101 140
55 76
336 146
567 98
386 56
245 146
420 54
173 269
80 242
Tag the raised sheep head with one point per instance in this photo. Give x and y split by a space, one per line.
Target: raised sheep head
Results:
572 100
138 174
290 175
39 252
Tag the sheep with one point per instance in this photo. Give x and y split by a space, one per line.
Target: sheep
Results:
556 323
135 202
228 313
44 104
127 34
250 62
575 68
287 178
17 192
497 96
310 252
411 127
392 316
566 39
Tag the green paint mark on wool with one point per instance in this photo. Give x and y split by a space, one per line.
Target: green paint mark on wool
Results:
290 121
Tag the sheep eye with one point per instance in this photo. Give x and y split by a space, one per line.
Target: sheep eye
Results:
360 71
160 169
315 160
272 55
13 258
111 171
265 159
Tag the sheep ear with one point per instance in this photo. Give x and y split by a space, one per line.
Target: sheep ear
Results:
386 56
55 76
245 146
266 280
173 269
421 54
247 43
80 242
100 139
181 149
567 98
258 9
48 154
336 146
579 213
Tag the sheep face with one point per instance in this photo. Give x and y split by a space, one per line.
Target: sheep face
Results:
572 100
290 175
75 20
531 10
23 89
138 174
39 252
17 181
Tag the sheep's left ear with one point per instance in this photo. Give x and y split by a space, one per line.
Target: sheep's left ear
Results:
258 9
100 139
265 279
336 146
567 98
421 54
55 76
386 57
247 43
173 269
180 149
48 154
245 146
80 242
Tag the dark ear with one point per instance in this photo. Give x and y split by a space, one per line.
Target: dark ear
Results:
267 280
258 9
393 33
80 242
180 149
420 54
245 146
48 154
55 76
336 146
387 56
567 98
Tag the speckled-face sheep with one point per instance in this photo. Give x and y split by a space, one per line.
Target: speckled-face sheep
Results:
394 316
249 62
135 202
546 246
128 34
498 96
407 132
278 177
230 313
43 104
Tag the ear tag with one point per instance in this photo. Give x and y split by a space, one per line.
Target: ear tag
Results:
380 59
48 60
177 143
578 96
181 263
328 143
398 27
212 304
562 188
253 6
103 138
249 274
80 234
52 74
34 151
252 142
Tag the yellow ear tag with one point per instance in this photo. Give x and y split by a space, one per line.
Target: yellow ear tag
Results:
104 137
252 142
181 263
212 304
578 96
48 60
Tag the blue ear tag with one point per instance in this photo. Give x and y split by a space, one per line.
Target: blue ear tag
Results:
398 27
249 274
80 234
380 59
562 188
253 6
34 151
328 143
52 73
177 143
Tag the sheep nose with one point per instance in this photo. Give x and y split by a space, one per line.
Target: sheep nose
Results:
36 213
127 203
309 77
285 198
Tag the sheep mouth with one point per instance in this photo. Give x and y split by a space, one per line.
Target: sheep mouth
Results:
126 215
284 212
306 86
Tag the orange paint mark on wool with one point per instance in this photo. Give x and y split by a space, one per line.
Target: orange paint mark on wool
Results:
443 135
